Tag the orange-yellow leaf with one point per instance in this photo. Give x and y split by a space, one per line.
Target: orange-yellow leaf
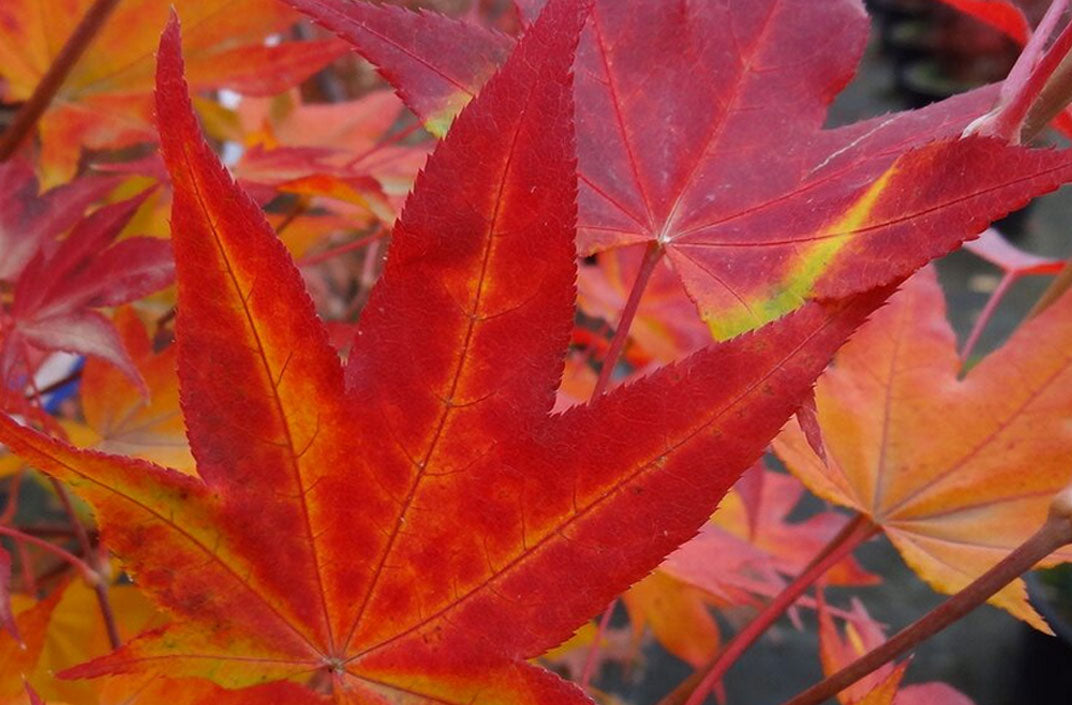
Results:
105 102
957 472
119 419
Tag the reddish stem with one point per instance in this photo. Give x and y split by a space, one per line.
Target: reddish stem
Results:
29 582
100 586
1009 120
301 206
87 571
1054 534
1054 291
987 313
390 140
854 533
357 244
593 651
48 389
8 515
32 110
617 344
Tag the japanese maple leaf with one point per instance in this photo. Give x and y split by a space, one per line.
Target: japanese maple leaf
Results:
419 531
1002 15
736 560
957 472
677 615
839 648
699 132
57 290
30 220
106 100
340 150
19 656
120 417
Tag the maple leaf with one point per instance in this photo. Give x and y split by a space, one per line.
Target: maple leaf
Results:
1002 15
56 291
883 687
119 418
29 220
421 534
20 656
735 559
699 130
1014 262
106 100
677 615
957 472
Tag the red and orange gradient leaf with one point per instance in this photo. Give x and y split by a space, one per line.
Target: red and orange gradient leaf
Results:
416 534
957 472
106 100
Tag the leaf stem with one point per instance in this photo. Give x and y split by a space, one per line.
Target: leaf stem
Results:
1054 291
617 344
87 571
100 585
387 141
341 249
986 314
854 533
76 44
1028 79
1055 533
652 255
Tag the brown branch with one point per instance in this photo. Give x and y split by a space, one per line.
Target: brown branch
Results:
32 110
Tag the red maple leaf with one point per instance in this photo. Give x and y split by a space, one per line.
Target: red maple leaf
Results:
699 133
58 280
422 530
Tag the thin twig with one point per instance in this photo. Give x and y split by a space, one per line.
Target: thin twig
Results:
854 533
341 249
100 586
32 110
87 571
621 335
617 344
1055 533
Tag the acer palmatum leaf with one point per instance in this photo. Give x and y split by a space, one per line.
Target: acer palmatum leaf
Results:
422 533
106 100
57 291
954 502
699 130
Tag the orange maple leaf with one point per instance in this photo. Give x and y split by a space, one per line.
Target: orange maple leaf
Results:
957 472
106 100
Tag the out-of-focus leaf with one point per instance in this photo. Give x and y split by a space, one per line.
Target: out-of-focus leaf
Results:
957 472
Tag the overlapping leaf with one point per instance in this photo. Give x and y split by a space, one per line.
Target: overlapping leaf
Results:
437 525
56 292
58 281
861 633
957 472
105 102
122 419
698 129
737 561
